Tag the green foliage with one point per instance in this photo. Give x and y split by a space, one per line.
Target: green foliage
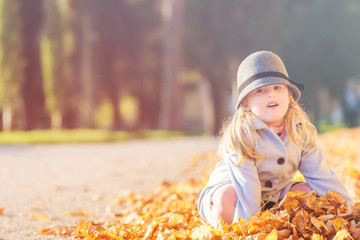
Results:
1 52
11 60
57 49
104 114
327 127
79 136
63 136
47 68
129 108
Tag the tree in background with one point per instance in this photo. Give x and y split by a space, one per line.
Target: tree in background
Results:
92 54
147 84
32 91
116 56
171 106
12 65
61 49
214 37
323 48
318 41
96 53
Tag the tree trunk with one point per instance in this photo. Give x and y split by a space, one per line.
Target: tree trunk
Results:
221 96
6 117
171 108
87 92
32 89
80 63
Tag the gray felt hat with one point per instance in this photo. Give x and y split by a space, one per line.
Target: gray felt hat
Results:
261 69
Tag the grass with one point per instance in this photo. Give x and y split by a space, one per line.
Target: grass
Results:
79 136
324 127
98 136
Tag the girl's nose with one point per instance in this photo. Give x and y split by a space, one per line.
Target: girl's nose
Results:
271 93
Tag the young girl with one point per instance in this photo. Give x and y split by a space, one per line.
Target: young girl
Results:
267 140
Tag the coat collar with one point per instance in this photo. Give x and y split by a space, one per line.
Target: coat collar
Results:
259 124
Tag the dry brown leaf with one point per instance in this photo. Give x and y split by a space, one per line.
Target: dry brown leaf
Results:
301 220
356 209
57 230
319 225
284 234
326 217
355 232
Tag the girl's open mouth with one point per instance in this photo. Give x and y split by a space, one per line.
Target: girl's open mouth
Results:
271 105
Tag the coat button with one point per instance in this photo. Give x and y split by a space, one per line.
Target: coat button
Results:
268 184
281 161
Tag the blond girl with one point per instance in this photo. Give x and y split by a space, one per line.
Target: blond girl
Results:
263 145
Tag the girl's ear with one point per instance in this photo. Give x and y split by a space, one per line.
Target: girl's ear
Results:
292 102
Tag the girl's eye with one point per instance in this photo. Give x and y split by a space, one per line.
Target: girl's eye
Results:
277 87
260 90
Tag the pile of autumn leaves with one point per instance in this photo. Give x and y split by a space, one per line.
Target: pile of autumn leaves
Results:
173 215
170 212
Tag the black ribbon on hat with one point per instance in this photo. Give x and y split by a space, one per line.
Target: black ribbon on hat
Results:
269 74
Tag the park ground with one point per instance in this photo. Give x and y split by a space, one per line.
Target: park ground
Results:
59 184
47 190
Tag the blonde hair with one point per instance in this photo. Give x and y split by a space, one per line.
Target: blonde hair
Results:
239 135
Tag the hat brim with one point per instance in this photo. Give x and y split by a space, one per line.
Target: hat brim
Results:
295 92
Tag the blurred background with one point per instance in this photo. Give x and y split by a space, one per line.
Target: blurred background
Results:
136 65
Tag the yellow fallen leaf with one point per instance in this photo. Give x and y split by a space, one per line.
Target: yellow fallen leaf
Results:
299 177
176 220
151 230
40 217
272 236
316 236
205 232
342 235
291 203
318 224
183 189
80 214
338 223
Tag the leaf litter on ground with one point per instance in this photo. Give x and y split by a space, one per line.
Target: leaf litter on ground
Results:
170 212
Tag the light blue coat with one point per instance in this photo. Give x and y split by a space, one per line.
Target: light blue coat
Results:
269 178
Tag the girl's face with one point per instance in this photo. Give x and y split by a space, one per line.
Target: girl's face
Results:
269 103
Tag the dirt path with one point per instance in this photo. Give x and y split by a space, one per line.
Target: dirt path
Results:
42 185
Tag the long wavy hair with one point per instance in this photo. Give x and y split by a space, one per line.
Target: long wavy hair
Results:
239 135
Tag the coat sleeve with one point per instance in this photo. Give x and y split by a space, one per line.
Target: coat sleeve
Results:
319 176
247 186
